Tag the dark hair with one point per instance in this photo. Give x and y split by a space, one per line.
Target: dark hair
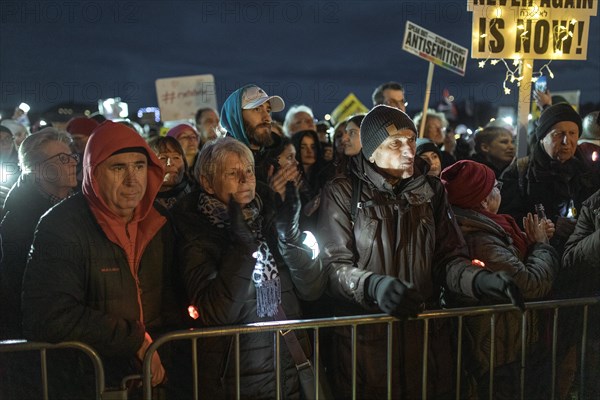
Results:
167 143
202 111
315 169
377 96
271 154
356 119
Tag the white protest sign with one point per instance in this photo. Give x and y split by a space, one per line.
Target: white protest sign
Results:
433 48
528 29
179 98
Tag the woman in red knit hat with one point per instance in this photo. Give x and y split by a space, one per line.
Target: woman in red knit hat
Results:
497 241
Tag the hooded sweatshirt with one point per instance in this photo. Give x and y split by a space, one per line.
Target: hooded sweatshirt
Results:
231 116
134 235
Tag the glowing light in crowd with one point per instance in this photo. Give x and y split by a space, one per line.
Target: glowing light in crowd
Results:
311 242
508 120
43 123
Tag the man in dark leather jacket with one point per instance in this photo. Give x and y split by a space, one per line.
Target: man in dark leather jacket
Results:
394 251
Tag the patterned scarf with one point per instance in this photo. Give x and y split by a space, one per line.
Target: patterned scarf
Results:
265 275
510 226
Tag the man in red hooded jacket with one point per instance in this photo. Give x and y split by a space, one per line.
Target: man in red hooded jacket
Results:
100 265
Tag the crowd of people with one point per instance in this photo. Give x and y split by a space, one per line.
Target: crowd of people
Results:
113 240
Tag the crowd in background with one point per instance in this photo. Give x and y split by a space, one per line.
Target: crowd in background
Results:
113 239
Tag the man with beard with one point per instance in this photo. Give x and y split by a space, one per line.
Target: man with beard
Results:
246 116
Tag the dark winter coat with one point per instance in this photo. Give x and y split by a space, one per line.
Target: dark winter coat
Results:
581 259
225 299
539 179
533 273
78 286
24 206
409 232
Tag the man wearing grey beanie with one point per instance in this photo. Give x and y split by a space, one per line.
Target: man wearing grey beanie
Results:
391 244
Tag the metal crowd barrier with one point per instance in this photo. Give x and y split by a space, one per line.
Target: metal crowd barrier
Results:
315 325
353 322
11 346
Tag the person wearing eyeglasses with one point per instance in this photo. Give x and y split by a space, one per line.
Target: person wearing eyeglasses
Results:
390 94
499 244
48 176
189 139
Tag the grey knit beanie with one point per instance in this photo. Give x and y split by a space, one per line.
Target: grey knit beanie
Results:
379 123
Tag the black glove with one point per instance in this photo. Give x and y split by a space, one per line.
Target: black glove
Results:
498 287
288 215
393 296
240 231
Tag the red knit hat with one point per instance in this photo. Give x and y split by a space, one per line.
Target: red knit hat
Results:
81 126
179 129
468 183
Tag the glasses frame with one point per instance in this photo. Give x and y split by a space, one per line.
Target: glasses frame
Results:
64 158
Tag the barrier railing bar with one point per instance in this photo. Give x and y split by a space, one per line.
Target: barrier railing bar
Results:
459 356
554 347
523 352
277 364
237 366
354 335
583 350
317 362
195 367
492 354
7 346
425 354
389 359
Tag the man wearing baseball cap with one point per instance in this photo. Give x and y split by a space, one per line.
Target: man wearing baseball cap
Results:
554 175
391 244
246 115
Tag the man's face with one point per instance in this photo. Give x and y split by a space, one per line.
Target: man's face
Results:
207 125
189 141
172 161
394 98
302 121
122 181
351 139
79 142
257 123
561 142
396 154
235 178
435 164
60 168
435 130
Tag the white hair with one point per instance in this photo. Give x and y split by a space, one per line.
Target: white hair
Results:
290 116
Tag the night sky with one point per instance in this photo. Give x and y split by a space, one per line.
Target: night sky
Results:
311 52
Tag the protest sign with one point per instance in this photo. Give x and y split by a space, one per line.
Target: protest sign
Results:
179 98
527 29
349 106
436 49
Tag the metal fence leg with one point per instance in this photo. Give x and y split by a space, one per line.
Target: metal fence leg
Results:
459 356
492 353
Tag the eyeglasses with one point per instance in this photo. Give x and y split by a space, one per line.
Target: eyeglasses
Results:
189 137
498 185
64 158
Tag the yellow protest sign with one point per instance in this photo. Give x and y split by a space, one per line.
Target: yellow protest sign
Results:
349 106
528 29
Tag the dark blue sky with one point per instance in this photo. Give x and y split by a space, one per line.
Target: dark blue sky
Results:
312 52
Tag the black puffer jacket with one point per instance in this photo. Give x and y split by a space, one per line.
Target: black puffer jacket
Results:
78 286
24 206
230 299
409 232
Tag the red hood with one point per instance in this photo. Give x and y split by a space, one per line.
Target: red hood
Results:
107 138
